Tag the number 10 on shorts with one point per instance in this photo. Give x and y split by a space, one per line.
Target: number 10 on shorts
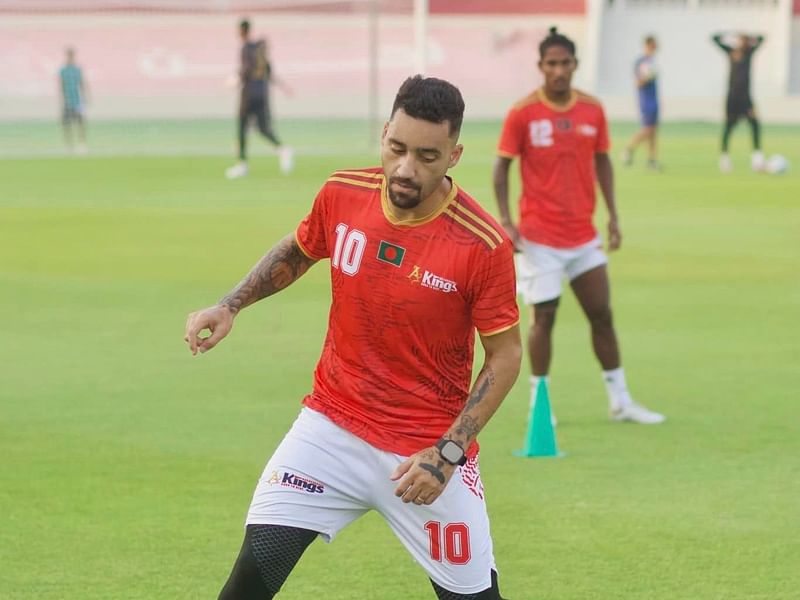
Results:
453 538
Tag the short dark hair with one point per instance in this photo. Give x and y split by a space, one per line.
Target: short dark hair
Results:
431 99
650 39
556 39
244 26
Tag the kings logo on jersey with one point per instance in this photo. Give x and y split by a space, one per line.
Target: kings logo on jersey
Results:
429 280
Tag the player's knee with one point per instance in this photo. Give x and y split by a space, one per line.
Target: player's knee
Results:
544 315
600 317
245 581
268 555
490 593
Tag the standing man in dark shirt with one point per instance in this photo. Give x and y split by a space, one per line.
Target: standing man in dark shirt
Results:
739 103
255 75
646 73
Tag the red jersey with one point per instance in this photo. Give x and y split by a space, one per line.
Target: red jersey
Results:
396 364
556 146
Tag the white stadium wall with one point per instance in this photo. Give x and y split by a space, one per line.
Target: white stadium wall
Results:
693 71
177 66
794 53
151 65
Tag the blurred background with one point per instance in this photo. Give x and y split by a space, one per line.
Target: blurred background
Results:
155 60
127 465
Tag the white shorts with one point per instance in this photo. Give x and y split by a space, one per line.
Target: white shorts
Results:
322 478
540 268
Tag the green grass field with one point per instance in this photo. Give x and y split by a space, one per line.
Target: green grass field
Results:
128 465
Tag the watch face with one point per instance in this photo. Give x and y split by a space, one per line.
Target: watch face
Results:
452 452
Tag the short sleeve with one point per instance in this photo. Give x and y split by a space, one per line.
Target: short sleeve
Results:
311 234
494 291
512 138
603 143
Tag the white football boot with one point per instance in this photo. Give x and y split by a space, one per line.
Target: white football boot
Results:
757 162
236 171
634 413
286 159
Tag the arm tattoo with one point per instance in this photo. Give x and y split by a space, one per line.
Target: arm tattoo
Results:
435 471
280 267
482 385
468 426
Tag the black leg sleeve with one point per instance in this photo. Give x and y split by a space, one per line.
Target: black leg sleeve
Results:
264 117
726 133
492 593
755 130
244 116
268 555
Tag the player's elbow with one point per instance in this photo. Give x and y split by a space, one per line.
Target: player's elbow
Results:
515 358
510 356
602 162
500 171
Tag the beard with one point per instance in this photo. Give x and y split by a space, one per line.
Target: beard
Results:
407 199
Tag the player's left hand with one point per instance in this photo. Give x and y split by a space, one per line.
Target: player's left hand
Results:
614 235
422 477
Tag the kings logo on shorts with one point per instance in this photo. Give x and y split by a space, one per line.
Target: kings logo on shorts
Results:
294 481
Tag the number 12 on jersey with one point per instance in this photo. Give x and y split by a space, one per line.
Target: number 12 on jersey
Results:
541 132
349 249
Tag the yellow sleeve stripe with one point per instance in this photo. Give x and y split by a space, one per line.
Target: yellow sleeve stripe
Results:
360 174
303 248
501 330
492 231
505 154
366 184
471 227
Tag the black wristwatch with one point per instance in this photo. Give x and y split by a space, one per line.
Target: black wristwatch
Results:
451 452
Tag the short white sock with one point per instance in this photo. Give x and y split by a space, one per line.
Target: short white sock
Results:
534 380
616 387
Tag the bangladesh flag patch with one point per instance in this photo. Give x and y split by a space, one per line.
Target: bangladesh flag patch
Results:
391 253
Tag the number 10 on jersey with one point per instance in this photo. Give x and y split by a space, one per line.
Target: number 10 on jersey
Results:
349 249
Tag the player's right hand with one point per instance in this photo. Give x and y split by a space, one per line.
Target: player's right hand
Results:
614 235
218 320
422 477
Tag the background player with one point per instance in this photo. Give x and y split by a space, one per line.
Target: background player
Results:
561 138
646 74
256 77
74 95
738 103
416 266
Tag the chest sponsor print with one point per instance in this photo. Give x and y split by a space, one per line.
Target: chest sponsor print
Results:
427 279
